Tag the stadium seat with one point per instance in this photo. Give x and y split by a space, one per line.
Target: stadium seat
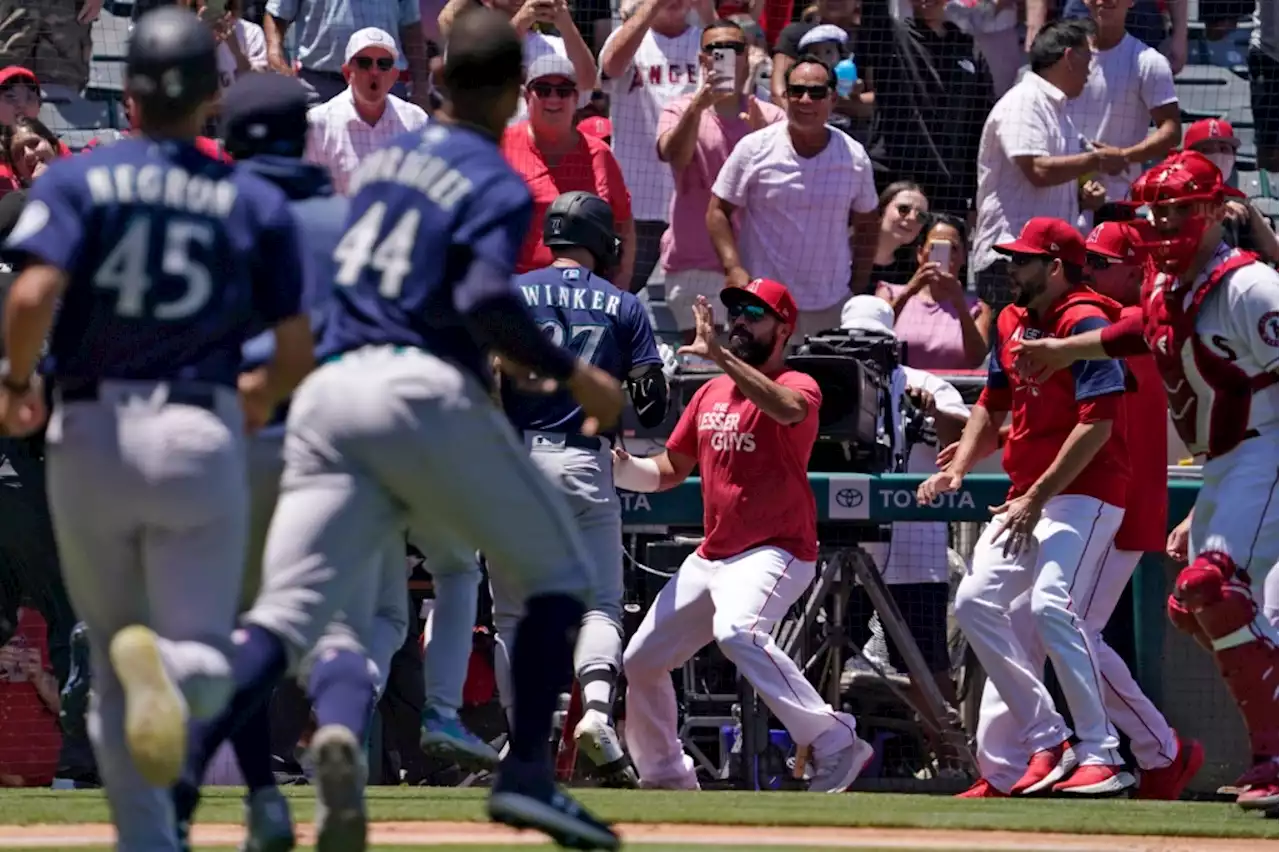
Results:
1207 91
1230 52
80 114
76 140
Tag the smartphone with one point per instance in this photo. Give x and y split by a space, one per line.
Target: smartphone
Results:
213 10
724 64
940 253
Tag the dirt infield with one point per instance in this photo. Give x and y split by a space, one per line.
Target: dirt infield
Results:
429 834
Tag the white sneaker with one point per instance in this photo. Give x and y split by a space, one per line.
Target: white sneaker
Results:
155 714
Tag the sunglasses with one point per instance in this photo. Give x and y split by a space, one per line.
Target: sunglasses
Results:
1027 259
735 46
905 210
384 63
1098 262
748 311
816 93
560 90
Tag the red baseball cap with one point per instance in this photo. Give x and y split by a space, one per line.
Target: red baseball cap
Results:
1048 237
1114 241
1207 129
1183 176
16 73
764 291
597 127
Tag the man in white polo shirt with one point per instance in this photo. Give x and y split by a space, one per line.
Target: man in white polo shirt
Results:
358 120
1031 155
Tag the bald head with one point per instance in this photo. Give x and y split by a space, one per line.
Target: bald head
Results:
484 54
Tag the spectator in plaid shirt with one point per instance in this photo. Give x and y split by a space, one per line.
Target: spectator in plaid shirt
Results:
360 119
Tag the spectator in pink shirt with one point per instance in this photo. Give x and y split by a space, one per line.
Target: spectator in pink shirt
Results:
944 327
695 135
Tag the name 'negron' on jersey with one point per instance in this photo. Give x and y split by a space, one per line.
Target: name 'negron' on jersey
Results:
171 259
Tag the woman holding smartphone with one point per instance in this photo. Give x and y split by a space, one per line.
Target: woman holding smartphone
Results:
944 327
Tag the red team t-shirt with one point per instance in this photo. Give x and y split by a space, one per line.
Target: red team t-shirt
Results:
590 167
755 481
1044 413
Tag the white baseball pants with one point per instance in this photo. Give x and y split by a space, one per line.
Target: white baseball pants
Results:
1003 755
734 602
1059 572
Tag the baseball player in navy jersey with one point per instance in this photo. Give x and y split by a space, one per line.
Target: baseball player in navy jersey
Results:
264 122
576 306
396 428
163 260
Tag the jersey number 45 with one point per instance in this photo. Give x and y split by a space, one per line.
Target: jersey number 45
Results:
129 269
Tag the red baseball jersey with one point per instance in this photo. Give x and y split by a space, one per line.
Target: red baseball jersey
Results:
1146 514
755 481
1044 413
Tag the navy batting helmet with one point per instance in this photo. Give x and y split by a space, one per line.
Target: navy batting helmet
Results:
172 62
583 220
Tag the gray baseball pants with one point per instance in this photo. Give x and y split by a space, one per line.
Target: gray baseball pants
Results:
148 496
391 606
584 475
386 438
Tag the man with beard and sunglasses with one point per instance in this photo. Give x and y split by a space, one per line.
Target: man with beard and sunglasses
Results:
1210 318
1038 564
1167 762
750 432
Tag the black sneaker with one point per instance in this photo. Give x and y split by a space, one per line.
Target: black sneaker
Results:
526 797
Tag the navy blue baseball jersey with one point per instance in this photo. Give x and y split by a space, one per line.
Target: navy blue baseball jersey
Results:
424 207
172 259
320 215
596 321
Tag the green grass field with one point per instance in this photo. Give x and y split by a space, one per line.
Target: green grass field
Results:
867 810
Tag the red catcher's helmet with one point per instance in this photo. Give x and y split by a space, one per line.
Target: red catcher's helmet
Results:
1185 178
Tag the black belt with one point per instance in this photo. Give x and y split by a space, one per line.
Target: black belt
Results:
573 439
196 394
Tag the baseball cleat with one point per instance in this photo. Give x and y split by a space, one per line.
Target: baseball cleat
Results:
982 789
1263 798
268 824
525 796
1167 782
341 823
446 737
1048 766
155 715
74 698
1261 791
598 740
1096 781
833 773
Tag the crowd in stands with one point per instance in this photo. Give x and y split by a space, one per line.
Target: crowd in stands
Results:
850 147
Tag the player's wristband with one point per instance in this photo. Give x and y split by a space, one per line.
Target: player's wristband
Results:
633 474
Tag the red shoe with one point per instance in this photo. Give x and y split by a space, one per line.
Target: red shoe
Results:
1048 766
1263 798
1168 782
1095 781
982 790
